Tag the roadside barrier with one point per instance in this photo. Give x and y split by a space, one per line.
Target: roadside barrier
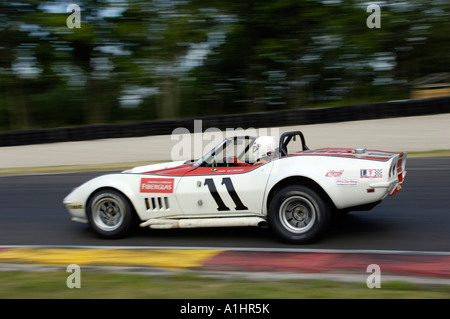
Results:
301 116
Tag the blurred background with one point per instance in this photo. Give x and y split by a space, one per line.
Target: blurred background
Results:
165 59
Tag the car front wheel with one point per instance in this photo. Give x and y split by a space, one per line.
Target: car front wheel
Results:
110 214
298 214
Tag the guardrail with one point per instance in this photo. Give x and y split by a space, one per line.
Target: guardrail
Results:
257 120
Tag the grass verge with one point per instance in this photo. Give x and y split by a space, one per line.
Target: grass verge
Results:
101 285
436 153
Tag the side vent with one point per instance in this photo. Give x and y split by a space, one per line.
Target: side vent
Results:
157 203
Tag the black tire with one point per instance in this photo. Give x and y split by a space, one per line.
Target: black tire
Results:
298 214
110 214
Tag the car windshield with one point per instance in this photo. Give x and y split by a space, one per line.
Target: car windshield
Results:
232 147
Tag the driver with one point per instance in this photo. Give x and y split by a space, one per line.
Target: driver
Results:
264 149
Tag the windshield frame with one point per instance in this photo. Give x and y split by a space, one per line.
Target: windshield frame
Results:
208 158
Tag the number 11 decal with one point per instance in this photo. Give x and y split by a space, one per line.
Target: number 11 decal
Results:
230 188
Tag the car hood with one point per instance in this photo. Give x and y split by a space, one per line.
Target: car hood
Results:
154 167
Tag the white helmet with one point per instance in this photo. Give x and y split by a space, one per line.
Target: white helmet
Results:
264 148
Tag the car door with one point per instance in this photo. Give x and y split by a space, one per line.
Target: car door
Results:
223 191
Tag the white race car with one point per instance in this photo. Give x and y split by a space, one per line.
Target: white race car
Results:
244 181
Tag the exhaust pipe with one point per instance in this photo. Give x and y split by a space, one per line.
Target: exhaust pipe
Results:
205 222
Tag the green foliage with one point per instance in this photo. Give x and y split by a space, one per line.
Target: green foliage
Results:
140 60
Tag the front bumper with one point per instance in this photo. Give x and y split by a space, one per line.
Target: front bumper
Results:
76 210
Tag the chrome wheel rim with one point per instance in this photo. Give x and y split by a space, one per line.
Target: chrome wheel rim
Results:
108 212
297 214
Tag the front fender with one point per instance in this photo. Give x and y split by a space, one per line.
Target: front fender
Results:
77 200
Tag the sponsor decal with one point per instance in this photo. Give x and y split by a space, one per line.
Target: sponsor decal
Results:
334 173
346 182
230 171
371 173
156 185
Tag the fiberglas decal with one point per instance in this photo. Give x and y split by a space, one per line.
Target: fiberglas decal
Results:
156 185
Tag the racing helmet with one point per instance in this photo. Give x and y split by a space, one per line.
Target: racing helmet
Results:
264 148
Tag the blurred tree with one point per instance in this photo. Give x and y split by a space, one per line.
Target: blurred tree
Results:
121 45
289 54
134 60
17 63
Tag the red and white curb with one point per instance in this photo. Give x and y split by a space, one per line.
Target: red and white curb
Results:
267 262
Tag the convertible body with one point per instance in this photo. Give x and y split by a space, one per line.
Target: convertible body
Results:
295 194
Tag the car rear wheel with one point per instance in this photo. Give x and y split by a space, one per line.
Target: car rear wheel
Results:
298 214
110 214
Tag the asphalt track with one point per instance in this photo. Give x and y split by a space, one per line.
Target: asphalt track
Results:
416 219
408 233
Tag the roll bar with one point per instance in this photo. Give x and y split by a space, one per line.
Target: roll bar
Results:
287 137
